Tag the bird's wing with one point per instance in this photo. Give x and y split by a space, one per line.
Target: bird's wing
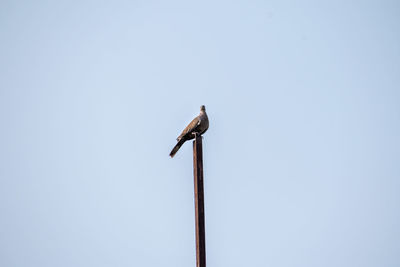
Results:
190 128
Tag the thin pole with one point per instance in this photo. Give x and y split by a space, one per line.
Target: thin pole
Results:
199 202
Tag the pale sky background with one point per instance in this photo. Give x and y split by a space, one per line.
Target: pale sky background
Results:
302 158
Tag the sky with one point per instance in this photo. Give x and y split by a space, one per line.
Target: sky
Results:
301 160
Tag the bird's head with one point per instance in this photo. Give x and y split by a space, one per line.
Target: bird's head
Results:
203 108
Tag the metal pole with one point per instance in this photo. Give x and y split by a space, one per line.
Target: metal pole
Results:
199 202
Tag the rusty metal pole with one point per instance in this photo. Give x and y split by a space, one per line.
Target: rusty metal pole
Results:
199 202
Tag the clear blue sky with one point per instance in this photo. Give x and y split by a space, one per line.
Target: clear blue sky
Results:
301 158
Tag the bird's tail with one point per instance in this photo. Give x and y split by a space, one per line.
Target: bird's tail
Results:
176 147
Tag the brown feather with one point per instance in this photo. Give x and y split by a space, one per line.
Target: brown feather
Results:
189 129
177 147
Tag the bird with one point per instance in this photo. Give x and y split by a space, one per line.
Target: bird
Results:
197 126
